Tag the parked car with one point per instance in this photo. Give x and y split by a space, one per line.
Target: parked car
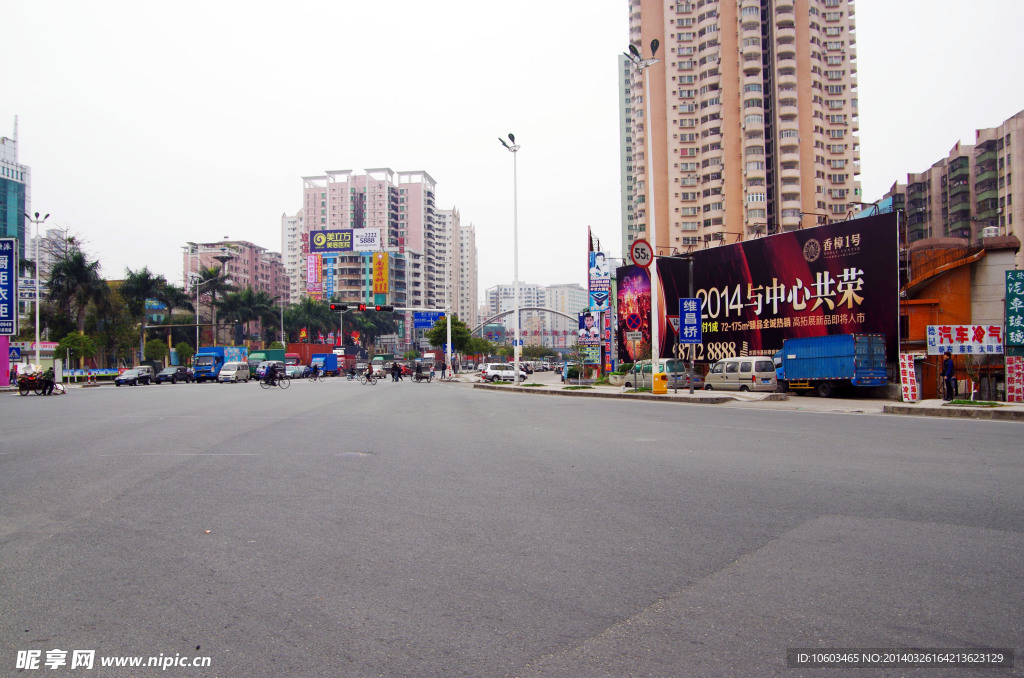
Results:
297 371
174 374
748 373
233 372
678 372
495 372
133 377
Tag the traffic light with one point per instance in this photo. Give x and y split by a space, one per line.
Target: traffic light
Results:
386 309
339 307
362 307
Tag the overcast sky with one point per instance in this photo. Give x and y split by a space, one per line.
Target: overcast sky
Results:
147 125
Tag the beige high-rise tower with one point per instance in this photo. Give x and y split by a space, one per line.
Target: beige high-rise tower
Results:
754 117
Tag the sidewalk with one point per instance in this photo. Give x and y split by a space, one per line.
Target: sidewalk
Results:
780 401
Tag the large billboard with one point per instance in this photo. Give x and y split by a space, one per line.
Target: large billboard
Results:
345 240
836 279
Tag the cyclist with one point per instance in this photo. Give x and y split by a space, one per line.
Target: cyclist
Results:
351 373
315 372
271 375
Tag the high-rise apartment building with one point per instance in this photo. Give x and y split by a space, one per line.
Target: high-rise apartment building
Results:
15 181
972 192
432 256
246 264
458 261
753 115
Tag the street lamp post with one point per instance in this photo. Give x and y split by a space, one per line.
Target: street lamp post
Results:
642 65
514 149
37 221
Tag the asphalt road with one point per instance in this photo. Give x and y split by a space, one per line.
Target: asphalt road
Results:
334 529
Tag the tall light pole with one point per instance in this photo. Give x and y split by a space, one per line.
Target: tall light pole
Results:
37 221
642 65
514 149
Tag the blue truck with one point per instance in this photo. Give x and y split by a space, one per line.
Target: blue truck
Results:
825 364
327 362
208 360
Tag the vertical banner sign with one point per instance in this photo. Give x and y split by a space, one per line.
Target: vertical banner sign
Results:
690 321
908 378
314 267
1014 379
8 286
600 281
1015 313
380 273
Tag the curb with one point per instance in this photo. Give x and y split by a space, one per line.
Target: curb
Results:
988 413
598 393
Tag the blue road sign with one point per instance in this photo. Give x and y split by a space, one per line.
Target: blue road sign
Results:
15 353
424 320
690 321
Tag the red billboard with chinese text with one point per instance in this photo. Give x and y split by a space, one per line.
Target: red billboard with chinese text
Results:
839 278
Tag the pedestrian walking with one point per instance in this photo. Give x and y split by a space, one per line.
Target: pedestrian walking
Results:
949 376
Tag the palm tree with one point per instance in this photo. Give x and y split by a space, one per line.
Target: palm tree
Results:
249 305
314 315
75 282
213 281
174 297
139 286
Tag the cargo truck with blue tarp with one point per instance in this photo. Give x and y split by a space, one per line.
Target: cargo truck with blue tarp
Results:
826 364
208 360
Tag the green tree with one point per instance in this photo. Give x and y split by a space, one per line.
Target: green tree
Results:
75 283
185 351
213 281
78 346
113 329
313 315
248 306
175 297
479 346
156 349
139 286
438 334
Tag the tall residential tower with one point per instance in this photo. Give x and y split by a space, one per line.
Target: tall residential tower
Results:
754 118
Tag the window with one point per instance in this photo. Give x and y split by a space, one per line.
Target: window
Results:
790 134
750 11
755 197
755 165
752 88
755 119
753 103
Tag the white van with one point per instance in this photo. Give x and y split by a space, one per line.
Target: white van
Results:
234 372
746 373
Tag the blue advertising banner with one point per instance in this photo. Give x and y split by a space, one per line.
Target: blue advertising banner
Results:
8 286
